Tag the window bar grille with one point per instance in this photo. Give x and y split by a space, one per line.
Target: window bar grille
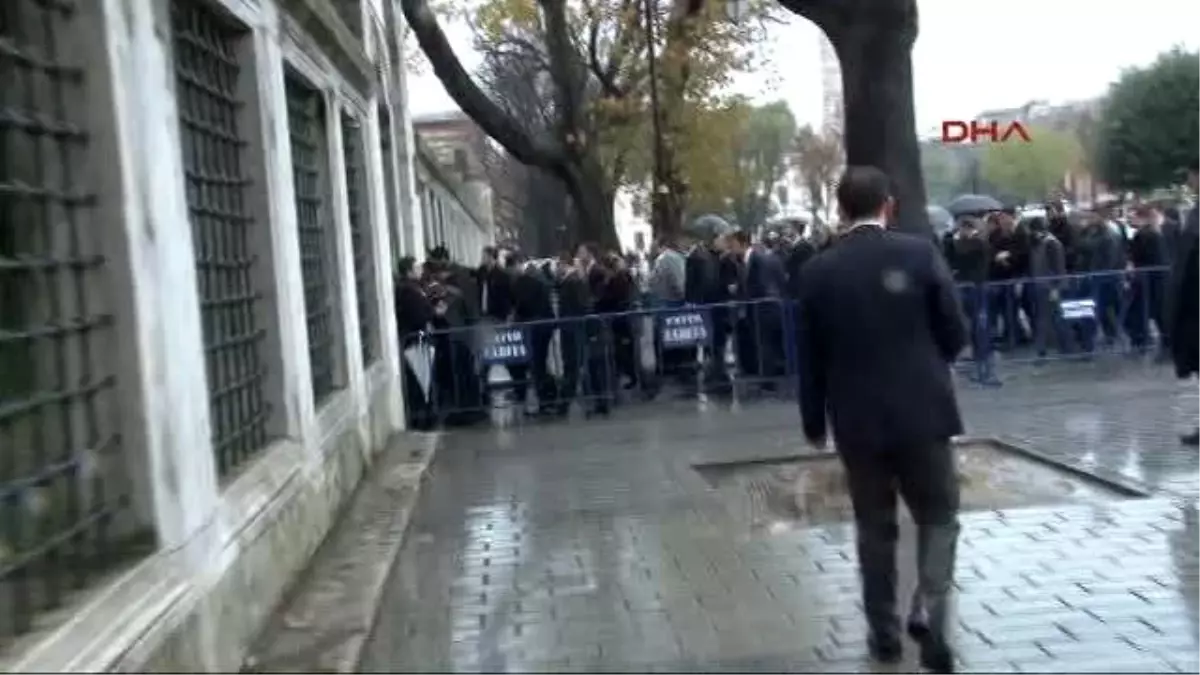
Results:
61 490
308 133
360 233
207 73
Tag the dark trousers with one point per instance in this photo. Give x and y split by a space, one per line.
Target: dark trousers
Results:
624 347
760 340
539 346
1048 323
1005 302
459 393
1145 305
585 343
716 379
927 478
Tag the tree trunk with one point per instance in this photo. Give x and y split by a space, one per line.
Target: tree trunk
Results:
593 205
876 60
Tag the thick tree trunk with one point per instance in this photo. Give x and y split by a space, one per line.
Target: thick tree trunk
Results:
880 131
593 205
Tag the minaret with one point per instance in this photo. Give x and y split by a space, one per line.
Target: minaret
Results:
831 88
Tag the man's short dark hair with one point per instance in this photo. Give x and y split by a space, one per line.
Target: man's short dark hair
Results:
862 192
740 236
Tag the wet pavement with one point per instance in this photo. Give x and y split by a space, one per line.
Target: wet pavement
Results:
597 546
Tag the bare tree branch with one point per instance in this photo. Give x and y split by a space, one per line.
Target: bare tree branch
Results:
542 150
603 74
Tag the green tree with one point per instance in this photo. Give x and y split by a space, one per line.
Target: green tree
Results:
592 72
819 158
760 158
941 171
1032 170
1149 126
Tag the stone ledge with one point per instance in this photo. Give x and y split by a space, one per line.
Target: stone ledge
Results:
1109 479
324 623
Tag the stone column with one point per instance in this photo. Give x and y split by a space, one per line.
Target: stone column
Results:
139 175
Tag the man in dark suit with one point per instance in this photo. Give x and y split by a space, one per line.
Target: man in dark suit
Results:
761 287
533 305
1183 308
880 326
494 287
707 284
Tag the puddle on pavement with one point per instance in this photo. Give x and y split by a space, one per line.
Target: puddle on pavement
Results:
785 495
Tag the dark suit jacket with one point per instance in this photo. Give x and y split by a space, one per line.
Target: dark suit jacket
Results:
532 297
499 285
700 284
413 310
765 276
801 253
880 324
574 296
1183 299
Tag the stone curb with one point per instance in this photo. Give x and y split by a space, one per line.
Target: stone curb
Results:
324 623
1110 480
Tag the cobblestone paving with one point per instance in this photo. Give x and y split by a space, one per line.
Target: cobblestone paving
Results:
595 546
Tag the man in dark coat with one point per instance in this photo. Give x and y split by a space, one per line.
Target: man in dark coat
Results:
414 313
1183 311
494 287
801 252
1147 253
760 329
707 283
1098 253
574 304
1048 268
881 325
533 306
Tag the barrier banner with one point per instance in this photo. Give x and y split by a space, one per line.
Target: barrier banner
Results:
505 346
684 328
1076 310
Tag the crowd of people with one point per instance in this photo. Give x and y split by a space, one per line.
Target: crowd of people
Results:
585 341
1025 267
573 352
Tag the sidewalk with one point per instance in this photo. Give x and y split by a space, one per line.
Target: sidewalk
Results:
595 546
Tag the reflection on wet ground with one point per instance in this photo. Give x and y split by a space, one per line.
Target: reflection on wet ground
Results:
597 546
774 496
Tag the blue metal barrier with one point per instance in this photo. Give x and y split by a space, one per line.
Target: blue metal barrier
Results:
1073 316
602 360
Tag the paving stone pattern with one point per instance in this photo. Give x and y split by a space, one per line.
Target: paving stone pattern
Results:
596 546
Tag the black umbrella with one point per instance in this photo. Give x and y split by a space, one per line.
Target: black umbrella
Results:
963 205
708 227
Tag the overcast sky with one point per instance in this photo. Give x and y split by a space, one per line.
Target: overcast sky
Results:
971 56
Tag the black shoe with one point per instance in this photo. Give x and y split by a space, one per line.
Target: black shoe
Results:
1192 439
917 624
885 649
936 657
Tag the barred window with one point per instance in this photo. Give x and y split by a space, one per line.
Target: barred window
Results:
309 140
64 508
207 72
357 204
